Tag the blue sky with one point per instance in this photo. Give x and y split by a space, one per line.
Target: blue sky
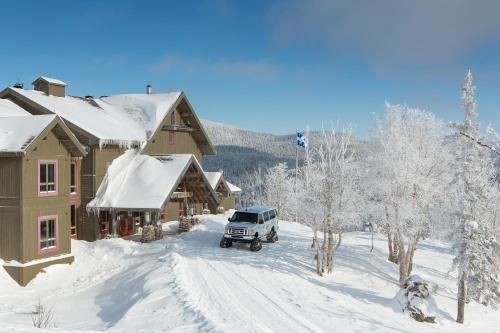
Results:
269 66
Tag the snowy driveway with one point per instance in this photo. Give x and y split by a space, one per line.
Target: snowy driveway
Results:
186 283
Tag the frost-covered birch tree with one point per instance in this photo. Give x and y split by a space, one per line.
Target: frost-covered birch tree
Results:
335 177
278 189
477 197
307 206
413 163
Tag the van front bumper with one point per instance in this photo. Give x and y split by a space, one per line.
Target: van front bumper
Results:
239 238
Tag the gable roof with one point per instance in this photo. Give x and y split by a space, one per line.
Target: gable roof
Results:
213 178
233 188
50 80
137 181
216 177
19 134
11 109
126 120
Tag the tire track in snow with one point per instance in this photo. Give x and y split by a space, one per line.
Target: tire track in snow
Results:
231 300
283 307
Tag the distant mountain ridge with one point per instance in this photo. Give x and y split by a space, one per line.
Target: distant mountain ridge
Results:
228 135
241 151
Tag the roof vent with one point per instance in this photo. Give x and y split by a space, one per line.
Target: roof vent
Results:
18 85
89 97
148 89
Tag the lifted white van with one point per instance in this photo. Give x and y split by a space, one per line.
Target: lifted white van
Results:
251 225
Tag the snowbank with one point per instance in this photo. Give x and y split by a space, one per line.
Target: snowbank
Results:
187 283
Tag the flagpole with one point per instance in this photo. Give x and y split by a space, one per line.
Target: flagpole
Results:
296 172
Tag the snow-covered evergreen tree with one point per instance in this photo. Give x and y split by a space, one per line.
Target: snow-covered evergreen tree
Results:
476 191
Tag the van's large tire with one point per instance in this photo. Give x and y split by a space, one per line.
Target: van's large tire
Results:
272 236
256 245
225 243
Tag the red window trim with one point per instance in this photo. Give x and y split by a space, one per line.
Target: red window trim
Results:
56 246
171 137
76 178
52 193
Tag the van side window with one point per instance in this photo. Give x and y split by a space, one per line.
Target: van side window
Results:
272 214
266 216
261 219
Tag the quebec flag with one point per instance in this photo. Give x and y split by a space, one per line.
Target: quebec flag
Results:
301 140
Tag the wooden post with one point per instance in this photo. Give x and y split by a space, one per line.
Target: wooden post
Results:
114 223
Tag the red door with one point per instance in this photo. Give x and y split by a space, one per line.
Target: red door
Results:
127 225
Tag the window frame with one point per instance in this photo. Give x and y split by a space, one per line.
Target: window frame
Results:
171 138
75 164
55 247
72 208
39 183
267 216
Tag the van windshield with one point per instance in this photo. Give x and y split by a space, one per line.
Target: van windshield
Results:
245 217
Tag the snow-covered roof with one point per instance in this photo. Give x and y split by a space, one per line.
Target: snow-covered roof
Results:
105 125
139 181
146 110
213 178
17 133
51 80
233 188
121 119
11 109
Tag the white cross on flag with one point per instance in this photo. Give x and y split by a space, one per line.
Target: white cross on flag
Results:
301 140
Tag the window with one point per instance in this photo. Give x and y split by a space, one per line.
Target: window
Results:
261 219
72 186
171 138
47 228
244 217
273 214
73 221
266 216
47 174
104 222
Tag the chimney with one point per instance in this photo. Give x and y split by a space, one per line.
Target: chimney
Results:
50 86
148 89
18 85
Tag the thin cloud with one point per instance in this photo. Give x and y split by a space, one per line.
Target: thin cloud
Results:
392 32
249 69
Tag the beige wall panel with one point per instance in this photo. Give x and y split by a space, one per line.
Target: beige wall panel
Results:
34 205
184 142
10 208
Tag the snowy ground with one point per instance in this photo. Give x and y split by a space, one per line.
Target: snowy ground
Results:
186 283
